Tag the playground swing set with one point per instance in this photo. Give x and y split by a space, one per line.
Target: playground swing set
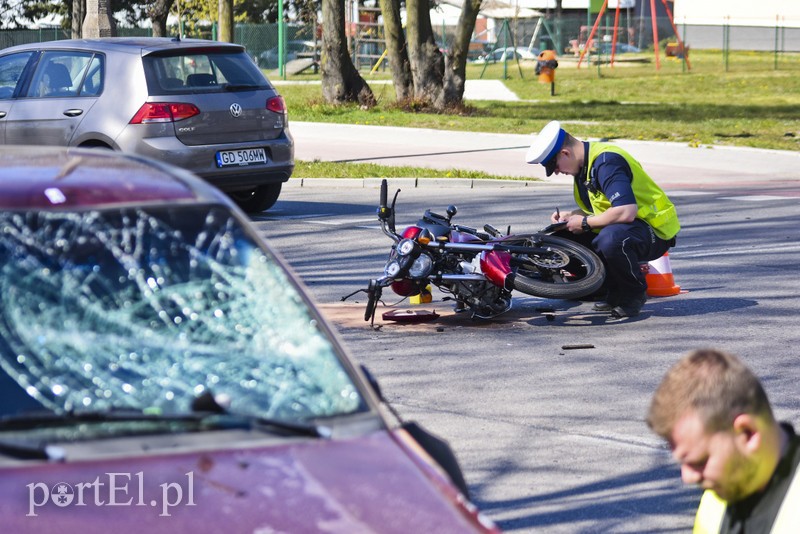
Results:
681 48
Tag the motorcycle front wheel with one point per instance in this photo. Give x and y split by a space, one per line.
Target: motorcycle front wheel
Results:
556 268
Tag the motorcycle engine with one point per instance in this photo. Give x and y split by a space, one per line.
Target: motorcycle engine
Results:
484 299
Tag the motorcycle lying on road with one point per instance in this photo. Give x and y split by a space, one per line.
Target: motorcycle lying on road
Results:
480 269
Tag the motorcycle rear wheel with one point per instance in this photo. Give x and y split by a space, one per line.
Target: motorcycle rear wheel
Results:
548 277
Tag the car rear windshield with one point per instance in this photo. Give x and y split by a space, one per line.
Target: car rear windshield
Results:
148 309
202 71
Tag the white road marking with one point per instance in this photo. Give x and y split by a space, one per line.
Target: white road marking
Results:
757 198
287 217
682 193
736 252
339 222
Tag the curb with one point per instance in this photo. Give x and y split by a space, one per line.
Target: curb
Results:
414 183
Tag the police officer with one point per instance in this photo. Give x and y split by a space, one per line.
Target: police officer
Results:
622 214
715 415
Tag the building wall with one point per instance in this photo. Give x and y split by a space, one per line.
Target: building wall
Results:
704 37
764 13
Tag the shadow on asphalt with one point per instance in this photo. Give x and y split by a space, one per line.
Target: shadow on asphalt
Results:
617 498
534 312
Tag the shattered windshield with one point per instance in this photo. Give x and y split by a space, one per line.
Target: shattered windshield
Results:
149 309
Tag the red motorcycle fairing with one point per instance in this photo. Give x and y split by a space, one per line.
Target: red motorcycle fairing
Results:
406 287
496 266
412 232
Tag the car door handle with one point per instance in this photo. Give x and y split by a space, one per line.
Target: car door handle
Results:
2 114
73 112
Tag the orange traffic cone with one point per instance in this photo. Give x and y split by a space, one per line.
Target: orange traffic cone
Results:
660 282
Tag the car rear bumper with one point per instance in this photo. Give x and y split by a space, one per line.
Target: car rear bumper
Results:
263 176
201 160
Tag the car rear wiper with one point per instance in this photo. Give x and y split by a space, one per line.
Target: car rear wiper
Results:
241 87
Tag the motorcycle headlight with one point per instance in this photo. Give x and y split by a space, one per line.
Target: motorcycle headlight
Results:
392 268
405 247
421 267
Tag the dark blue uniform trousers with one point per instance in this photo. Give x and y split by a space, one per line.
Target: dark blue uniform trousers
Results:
622 247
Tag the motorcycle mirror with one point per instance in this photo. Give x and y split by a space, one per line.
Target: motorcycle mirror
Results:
391 219
451 211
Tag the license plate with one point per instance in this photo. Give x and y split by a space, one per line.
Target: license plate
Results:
241 158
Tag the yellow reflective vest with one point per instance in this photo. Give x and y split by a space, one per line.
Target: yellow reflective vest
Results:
712 510
654 207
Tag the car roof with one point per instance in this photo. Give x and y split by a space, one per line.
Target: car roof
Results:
143 45
58 178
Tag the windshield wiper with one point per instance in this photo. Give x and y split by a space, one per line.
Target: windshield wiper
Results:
39 419
30 451
299 429
241 87
207 403
205 420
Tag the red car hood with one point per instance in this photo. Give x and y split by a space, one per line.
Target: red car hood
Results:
368 484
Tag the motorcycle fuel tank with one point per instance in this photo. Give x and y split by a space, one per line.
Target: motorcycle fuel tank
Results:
496 266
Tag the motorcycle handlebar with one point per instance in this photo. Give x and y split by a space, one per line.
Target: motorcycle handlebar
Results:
384 194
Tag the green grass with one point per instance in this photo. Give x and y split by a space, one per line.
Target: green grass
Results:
749 103
326 169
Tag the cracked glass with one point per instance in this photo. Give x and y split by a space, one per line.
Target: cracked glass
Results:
147 309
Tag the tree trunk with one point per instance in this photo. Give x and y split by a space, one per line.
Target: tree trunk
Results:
557 37
427 62
341 82
158 12
396 50
78 14
98 21
225 18
456 71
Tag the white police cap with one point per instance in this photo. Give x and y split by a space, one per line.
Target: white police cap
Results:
545 145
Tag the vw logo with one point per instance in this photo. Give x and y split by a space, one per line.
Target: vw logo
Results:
236 110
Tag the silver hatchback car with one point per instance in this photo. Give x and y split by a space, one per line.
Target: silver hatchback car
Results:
201 105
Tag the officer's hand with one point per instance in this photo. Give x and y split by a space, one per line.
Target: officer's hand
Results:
574 223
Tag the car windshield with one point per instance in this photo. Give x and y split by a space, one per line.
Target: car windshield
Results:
148 309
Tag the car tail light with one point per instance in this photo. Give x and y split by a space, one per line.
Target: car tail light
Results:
276 104
164 112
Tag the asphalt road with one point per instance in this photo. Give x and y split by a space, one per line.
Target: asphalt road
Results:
551 439
671 164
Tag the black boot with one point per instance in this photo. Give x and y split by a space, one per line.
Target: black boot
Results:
606 303
629 307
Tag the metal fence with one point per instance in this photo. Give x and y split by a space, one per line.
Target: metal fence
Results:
567 35
255 37
18 37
